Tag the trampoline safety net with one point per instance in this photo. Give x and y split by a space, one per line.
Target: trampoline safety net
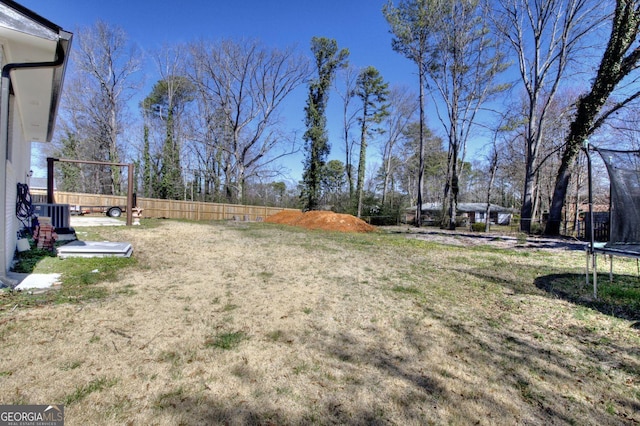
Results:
624 176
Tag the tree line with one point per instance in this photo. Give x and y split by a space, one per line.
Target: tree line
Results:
518 75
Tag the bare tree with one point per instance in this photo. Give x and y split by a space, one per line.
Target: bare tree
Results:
105 80
411 24
245 84
545 36
209 134
493 161
435 165
462 68
350 111
402 111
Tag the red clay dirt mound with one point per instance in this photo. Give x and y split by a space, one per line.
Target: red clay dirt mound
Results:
325 220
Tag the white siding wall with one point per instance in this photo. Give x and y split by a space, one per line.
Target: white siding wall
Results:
10 237
17 168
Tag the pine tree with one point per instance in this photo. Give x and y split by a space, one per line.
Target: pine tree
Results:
373 92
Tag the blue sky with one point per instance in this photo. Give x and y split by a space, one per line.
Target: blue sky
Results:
355 24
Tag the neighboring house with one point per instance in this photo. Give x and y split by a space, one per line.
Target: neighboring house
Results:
33 56
474 212
39 183
38 189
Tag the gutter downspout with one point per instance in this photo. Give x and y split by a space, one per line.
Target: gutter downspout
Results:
4 140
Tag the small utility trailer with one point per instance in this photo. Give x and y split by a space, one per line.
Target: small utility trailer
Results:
111 211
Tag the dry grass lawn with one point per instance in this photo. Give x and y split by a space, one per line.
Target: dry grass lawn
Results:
237 323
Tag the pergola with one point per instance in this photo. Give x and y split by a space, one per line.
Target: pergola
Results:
50 166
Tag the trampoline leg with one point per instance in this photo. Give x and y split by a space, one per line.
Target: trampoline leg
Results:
610 268
586 271
595 276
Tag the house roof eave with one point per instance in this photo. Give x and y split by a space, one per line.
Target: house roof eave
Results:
37 50
35 25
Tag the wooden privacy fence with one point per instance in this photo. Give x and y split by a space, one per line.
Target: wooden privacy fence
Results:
170 209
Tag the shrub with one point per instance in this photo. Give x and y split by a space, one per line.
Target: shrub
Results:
478 227
536 229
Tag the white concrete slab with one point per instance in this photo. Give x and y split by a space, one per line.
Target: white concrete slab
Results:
95 249
76 221
34 281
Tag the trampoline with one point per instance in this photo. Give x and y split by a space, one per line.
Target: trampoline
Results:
623 168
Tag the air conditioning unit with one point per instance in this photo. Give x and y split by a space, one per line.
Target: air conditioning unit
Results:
59 214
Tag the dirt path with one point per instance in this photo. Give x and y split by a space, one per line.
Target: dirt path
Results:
464 239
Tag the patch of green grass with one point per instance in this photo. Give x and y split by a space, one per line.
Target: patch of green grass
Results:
118 409
71 365
93 270
83 391
226 341
620 298
413 243
624 290
583 314
127 290
27 261
610 407
170 399
275 335
90 233
307 310
301 368
149 223
79 277
525 391
229 307
521 238
265 275
171 357
284 391
406 289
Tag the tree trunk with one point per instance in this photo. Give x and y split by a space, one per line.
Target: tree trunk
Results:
576 213
361 165
453 197
385 181
492 176
560 190
613 68
113 154
421 160
241 186
528 209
